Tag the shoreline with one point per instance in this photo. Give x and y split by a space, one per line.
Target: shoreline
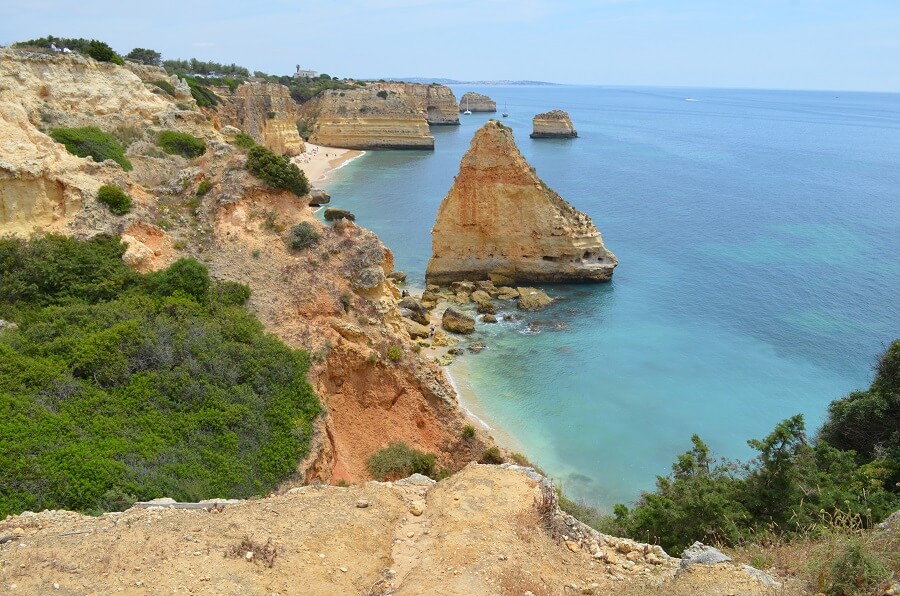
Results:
318 161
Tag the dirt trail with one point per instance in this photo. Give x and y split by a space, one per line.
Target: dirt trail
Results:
477 532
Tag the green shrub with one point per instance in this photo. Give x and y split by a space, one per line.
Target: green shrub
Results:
382 94
101 52
115 198
395 353
229 293
112 394
145 56
276 171
399 460
302 235
181 143
92 142
185 276
203 187
491 455
850 572
204 97
165 86
468 432
244 141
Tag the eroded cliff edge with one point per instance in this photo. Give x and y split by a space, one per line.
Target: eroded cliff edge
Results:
266 112
501 222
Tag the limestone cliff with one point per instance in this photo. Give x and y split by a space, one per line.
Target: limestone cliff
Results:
436 102
266 112
501 222
476 102
553 124
363 119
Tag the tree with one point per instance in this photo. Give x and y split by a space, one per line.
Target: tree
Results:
145 56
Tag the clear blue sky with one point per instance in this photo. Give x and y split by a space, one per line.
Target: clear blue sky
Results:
782 44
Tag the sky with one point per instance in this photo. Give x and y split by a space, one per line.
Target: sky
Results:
768 44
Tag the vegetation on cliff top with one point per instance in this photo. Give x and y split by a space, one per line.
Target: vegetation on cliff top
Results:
118 386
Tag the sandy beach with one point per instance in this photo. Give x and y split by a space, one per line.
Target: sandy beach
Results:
319 160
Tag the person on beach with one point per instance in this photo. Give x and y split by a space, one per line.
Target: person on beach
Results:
431 331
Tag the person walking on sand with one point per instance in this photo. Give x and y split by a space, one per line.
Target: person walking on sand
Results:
431 331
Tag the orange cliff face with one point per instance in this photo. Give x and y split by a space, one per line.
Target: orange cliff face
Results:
501 222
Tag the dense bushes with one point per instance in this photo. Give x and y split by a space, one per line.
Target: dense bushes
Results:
118 386
92 142
276 171
96 49
204 97
145 56
115 198
101 52
399 460
793 485
181 143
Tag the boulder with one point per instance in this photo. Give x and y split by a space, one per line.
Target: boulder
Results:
332 214
397 276
457 322
499 221
507 293
700 554
533 299
416 330
462 286
418 311
489 318
318 197
477 346
441 339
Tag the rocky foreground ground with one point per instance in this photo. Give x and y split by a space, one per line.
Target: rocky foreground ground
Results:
485 530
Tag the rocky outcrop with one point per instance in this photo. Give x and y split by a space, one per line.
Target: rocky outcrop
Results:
266 112
154 74
501 222
362 119
555 124
436 102
476 102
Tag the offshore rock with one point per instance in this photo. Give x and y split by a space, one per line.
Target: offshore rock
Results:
501 222
476 102
554 124
318 197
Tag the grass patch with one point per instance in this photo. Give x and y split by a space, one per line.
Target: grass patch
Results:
244 141
92 142
399 460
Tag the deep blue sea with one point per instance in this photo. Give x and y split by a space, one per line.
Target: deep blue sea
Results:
758 237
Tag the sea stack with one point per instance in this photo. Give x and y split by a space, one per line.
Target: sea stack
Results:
476 102
501 222
554 124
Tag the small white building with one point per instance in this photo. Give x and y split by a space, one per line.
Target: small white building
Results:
305 74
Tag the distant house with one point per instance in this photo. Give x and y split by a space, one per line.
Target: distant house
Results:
305 74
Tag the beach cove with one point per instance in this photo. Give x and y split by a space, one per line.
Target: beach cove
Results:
754 231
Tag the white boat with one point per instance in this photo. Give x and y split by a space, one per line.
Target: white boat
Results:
505 111
467 112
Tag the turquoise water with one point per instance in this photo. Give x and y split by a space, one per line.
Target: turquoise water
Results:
758 235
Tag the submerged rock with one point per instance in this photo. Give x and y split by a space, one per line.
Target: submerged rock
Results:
533 299
555 124
501 222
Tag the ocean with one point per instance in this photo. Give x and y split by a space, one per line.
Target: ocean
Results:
758 237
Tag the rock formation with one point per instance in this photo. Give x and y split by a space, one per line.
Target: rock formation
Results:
553 124
362 119
436 102
476 102
501 222
266 112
